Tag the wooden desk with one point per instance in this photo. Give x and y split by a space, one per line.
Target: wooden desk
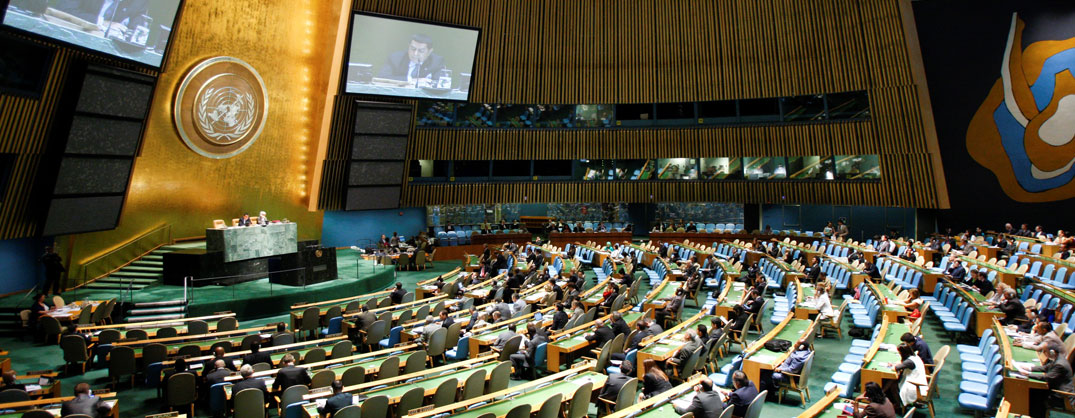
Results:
802 309
73 310
826 407
662 346
519 238
659 297
759 358
1016 390
885 296
1008 276
659 405
560 239
983 316
39 403
729 297
564 383
568 344
535 222
152 327
875 364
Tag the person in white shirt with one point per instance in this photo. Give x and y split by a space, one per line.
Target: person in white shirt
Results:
617 252
822 301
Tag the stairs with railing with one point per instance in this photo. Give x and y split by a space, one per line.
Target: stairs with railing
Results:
145 271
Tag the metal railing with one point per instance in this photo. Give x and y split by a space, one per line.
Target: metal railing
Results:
121 256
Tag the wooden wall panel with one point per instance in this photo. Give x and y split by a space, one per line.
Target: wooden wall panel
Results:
644 51
867 193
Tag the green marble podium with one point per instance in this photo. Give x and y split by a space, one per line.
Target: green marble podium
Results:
244 243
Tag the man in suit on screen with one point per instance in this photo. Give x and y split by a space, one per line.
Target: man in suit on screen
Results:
416 63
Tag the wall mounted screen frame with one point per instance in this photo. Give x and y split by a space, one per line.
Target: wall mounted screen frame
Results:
22 21
377 68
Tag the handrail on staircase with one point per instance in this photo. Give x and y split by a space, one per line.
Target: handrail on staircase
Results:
124 254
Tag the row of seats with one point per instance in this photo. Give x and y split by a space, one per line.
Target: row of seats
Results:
453 238
604 271
839 275
784 306
846 377
904 276
953 311
1050 274
725 251
682 252
772 273
656 272
983 377
1048 299
863 311
582 254
837 250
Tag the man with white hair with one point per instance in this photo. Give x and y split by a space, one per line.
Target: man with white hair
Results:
250 382
428 328
263 218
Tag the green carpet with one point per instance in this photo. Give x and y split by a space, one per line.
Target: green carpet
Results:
27 355
265 298
139 401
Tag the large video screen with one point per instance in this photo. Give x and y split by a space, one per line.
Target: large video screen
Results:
391 56
136 30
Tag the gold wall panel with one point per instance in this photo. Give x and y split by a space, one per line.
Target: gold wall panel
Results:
291 44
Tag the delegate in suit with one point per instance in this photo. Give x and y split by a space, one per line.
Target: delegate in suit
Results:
417 62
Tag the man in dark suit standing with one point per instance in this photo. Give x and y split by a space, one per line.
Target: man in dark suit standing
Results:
250 382
85 403
417 62
256 356
289 375
706 403
53 271
338 401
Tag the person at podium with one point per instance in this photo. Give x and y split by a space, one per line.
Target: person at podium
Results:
263 218
245 220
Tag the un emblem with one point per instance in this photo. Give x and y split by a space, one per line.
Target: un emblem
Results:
220 107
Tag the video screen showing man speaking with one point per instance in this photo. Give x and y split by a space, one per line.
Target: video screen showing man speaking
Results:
138 30
395 57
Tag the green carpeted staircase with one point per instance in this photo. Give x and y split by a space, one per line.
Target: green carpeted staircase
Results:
145 271
141 273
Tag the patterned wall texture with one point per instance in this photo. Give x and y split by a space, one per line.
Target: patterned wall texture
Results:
558 51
